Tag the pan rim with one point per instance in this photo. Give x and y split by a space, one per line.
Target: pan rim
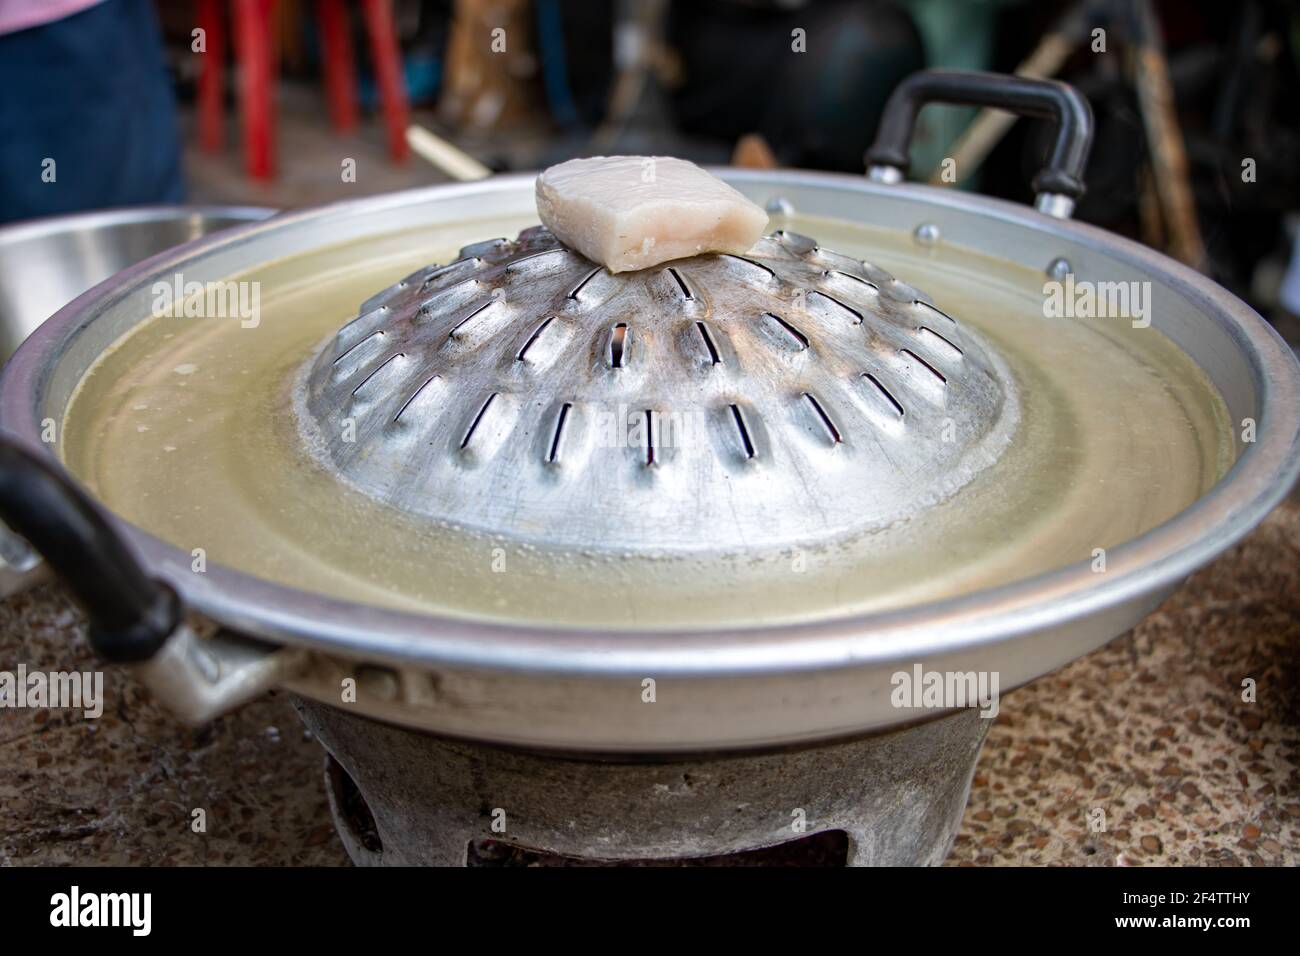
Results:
1159 558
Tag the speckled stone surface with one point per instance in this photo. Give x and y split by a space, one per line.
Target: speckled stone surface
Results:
1148 735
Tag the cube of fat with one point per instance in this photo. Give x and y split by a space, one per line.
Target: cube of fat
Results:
633 212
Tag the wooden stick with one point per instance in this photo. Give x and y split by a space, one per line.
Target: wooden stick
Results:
452 160
1168 154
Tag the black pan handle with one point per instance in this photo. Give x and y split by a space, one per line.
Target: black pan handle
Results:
131 615
1058 184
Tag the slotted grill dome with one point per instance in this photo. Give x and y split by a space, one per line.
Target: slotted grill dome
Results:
785 398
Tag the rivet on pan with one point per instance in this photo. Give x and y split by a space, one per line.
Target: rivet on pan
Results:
1059 268
779 206
926 234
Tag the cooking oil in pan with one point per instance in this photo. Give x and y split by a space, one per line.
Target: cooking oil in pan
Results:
186 429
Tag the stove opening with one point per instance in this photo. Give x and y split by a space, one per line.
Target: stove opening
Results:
352 809
827 849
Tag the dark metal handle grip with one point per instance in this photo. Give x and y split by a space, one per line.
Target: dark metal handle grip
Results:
131 614
1043 99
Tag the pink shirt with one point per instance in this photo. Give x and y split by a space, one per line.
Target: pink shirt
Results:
18 15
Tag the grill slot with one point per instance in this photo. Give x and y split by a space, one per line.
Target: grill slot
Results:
742 430
617 345
933 371
795 334
682 285
432 278
649 437
473 427
515 264
533 338
857 316
799 245
885 393
944 340
831 428
379 368
414 395
935 309
574 292
849 275
379 333
479 310
740 413
714 358
757 265
553 454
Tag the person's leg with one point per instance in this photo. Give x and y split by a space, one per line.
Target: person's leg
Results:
87 114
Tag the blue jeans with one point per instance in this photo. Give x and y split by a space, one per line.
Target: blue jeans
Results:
91 93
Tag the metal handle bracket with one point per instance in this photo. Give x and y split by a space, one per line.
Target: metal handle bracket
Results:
1058 185
133 618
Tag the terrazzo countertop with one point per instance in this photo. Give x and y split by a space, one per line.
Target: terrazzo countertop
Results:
1151 731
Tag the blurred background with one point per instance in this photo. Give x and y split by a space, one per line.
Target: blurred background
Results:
285 103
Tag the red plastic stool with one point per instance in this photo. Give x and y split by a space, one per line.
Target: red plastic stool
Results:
387 60
254 29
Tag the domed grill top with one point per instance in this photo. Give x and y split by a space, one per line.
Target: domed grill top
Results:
785 398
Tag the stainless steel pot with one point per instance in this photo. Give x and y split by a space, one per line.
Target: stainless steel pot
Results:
581 691
46 263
